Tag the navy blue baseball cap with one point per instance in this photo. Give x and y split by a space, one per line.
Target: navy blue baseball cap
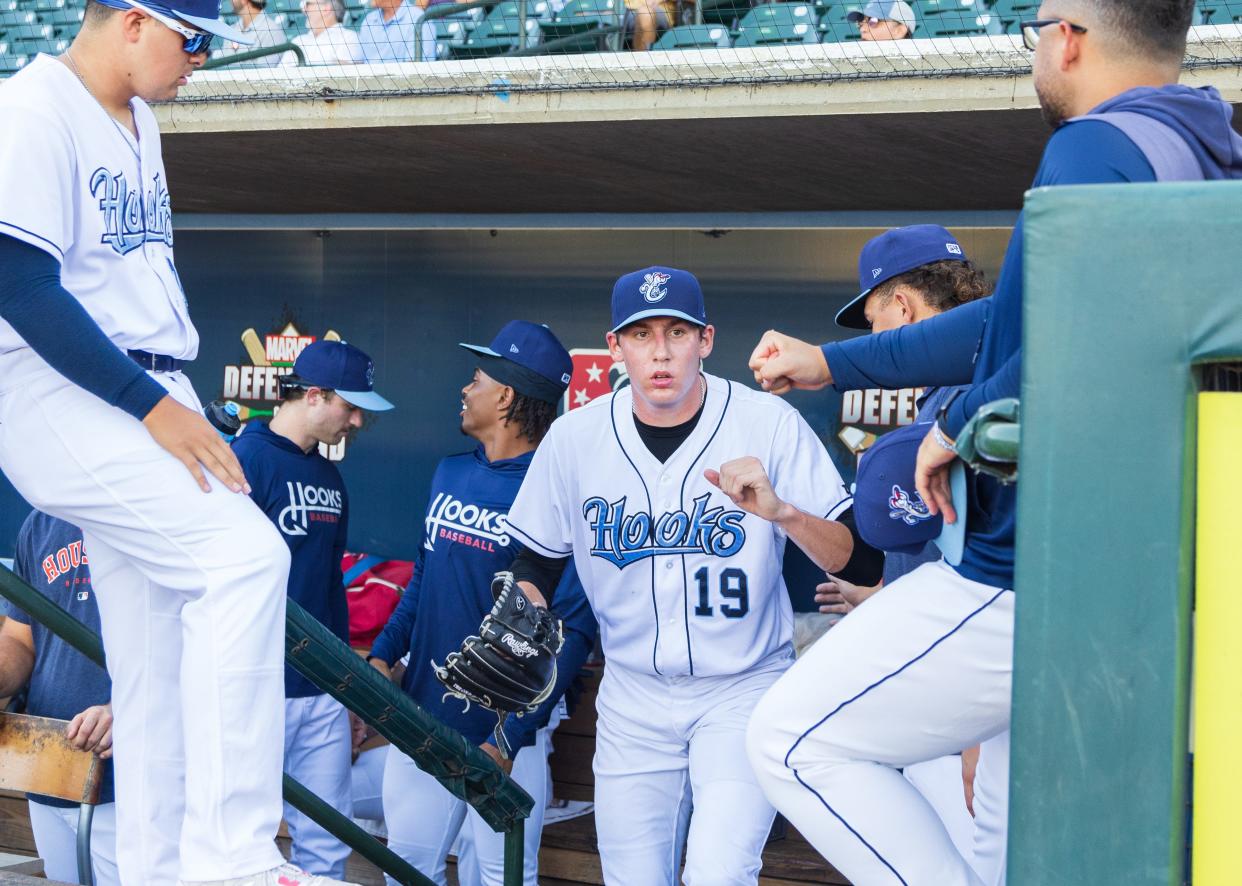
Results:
888 510
528 358
894 253
657 292
201 14
337 366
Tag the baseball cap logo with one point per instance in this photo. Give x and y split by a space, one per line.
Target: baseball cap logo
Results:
653 288
370 375
513 349
953 248
875 272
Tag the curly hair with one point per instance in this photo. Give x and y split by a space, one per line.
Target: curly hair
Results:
532 416
941 285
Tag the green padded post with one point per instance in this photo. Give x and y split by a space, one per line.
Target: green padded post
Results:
1126 287
515 850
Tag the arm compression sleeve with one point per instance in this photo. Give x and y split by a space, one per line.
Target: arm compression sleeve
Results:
59 330
543 572
936 352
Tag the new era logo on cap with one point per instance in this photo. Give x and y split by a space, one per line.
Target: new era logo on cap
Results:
513 349
875 272
953 248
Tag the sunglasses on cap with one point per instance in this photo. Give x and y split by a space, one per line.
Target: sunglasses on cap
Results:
195 41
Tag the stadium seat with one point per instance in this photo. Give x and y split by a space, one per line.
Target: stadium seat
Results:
694 37
9 5
834 25
960 23
501 27
579 16
479 47
725 12
20 33
773 14
1011 12
763 35
290 6
14 17
470 18
11 63
450 31
1221 12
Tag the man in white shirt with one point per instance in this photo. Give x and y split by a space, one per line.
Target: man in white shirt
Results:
329 42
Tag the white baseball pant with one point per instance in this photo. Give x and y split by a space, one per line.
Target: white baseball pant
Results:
664 744
318 749
918 671
424 819
191 594
56 840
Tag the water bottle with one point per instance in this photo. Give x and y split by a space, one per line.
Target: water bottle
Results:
224 417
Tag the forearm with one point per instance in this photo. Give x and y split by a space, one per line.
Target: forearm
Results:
16 666
536 574
826 542
59 330
938 351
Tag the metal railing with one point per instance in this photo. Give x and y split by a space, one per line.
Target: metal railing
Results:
249 55
444 753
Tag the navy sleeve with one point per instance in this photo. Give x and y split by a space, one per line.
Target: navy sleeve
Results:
939 351
341 601
398 633
59 330
1005 382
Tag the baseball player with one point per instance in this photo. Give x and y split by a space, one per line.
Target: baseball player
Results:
507 408
62 684
924 668
303 495
674 496
100 427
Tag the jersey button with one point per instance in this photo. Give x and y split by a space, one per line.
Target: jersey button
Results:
668 564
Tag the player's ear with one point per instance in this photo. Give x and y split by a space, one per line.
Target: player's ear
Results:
1071 45
707 340
132 23
614 347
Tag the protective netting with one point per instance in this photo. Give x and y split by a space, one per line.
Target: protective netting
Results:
390 47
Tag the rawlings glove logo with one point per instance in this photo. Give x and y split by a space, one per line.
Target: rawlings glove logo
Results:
520 648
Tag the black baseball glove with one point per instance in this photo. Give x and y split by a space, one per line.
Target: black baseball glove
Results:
510 666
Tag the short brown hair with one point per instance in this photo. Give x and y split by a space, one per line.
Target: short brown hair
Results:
942 285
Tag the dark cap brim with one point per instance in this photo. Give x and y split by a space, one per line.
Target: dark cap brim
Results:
854 315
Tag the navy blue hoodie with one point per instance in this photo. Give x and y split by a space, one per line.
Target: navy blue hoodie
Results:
964 346
465 541
304 495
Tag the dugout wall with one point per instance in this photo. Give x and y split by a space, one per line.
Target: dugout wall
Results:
1130 291
409 294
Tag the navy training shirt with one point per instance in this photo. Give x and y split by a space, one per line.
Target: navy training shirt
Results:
64 682
465 541
980 343
304 495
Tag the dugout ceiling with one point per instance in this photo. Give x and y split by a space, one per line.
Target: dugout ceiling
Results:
843 162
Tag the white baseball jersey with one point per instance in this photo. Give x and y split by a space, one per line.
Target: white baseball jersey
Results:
76 184
682 581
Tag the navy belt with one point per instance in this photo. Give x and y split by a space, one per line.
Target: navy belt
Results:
156 362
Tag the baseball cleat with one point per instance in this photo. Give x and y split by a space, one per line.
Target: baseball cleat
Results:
285 875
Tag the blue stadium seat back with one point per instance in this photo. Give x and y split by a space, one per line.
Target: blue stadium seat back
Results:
765 35
470 18
10 63
1013 11
69 17
1221 12
479 47
725 12
19 33
935 7
451 31
964 23
774 14
536 10
501 27
9 6
836 28
580 16
287 6
694 37
16 17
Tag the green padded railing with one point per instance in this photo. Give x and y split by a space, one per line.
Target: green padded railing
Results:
252 54
460 766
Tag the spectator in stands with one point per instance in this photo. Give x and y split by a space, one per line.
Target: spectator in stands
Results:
328 42
261 27
63 684
390 29
646 18
885 20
